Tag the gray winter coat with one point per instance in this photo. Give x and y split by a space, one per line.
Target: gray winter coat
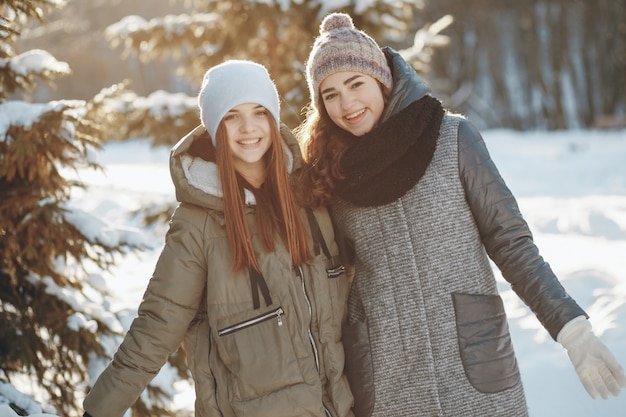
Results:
433 332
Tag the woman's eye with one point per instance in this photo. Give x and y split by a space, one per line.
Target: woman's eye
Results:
330 96
230 117
357 84
262 112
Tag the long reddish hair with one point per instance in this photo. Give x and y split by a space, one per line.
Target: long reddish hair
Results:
276 209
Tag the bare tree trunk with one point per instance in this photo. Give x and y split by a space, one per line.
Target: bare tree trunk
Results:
556 51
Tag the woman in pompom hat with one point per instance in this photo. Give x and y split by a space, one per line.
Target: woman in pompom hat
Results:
251 283
413 187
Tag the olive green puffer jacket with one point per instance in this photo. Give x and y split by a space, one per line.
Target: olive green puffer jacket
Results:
256 345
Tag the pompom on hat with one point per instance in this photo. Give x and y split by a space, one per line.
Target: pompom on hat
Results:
341 47
232 83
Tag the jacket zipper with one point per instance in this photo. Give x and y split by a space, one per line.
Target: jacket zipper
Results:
278 313
308 303
311 339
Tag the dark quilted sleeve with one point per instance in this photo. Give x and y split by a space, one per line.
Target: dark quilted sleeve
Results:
507 237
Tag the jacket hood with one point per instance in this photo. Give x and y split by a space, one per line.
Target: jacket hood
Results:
408 86
194 171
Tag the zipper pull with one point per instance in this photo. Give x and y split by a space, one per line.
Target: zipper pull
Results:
279 313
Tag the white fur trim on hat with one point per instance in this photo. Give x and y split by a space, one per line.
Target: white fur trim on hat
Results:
232 83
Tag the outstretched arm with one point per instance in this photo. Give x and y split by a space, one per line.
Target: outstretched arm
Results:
510 245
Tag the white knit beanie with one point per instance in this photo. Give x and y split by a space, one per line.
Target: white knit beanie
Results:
341 47
230 84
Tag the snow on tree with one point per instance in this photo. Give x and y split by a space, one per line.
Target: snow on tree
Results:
424 43
56 321
278 34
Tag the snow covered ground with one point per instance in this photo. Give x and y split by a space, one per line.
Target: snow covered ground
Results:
571 188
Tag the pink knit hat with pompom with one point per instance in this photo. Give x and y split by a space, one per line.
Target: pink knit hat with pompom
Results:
341 47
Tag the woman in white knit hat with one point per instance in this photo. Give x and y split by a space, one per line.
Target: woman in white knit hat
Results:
415 190
249 281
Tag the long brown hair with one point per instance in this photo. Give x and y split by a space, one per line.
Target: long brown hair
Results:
323 145
276 209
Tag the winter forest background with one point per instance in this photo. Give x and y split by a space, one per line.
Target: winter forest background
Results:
78 77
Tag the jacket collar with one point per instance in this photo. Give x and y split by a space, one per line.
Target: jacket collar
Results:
196 178
408 87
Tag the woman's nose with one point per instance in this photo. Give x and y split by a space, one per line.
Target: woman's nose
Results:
346 101
246 125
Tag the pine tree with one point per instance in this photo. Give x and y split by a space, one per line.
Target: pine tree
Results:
53 316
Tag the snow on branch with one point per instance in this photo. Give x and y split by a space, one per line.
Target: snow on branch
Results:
425 40
19 72
149 38
37 62
24 114
98 231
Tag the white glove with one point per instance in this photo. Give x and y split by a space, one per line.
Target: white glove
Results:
597 368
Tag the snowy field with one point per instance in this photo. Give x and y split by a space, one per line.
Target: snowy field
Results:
571 188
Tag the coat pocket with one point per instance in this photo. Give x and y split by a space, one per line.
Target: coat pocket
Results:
258 350
358 368
485 343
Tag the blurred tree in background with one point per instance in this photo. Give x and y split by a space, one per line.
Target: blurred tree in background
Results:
54 321
542 64
278 35
545 64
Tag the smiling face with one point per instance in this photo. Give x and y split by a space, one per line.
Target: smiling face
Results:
248 134
354 101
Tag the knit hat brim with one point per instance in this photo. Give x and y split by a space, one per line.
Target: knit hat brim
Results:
230 84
